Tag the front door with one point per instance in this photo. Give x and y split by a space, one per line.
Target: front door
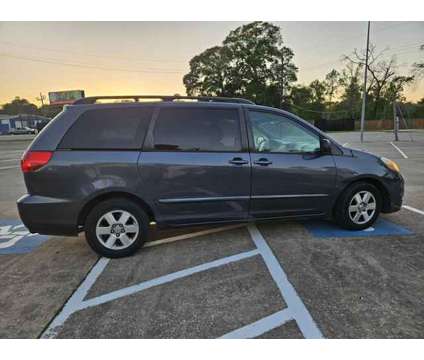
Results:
197 169
290 176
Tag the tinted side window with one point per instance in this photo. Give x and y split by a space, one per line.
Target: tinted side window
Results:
122 128
275 133
182 129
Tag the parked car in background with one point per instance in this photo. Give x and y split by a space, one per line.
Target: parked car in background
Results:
22 130
111 169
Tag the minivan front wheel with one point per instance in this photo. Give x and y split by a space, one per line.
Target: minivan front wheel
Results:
116 228
358 207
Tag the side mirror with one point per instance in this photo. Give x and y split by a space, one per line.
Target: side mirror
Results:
325 146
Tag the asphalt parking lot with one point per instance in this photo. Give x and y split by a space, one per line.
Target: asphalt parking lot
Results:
266 280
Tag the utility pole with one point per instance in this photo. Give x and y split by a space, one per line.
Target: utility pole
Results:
364 95
396 121
282 81
41 98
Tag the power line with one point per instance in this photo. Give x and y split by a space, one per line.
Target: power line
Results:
88 66
102 56
404 47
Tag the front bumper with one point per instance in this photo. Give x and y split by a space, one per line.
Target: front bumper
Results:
48 216
396 190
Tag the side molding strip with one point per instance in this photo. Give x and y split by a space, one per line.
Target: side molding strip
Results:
203 199
287 196
229 198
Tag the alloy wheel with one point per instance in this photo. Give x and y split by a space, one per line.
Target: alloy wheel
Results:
117 229
362 207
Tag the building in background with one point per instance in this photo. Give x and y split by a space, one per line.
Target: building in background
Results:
9 123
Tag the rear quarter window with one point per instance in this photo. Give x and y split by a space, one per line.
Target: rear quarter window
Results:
108 129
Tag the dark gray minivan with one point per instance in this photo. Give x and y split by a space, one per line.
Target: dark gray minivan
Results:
110 169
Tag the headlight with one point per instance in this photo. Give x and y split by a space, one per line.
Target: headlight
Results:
390 164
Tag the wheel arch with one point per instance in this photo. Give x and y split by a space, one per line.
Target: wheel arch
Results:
110 195
385 195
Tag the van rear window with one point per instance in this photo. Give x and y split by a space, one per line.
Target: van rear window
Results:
108 129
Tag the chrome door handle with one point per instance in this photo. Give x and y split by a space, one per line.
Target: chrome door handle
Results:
238 161
263 162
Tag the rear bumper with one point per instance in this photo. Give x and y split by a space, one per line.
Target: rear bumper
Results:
48 216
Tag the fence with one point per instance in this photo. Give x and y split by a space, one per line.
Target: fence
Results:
387 124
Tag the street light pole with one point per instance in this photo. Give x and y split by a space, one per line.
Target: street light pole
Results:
364 95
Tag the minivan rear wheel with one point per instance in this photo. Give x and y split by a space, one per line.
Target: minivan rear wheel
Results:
358 207
116 228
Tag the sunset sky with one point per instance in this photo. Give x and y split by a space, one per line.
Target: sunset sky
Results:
111 58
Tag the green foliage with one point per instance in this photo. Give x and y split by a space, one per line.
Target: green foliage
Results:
50 111
350 99
332 83
19 106
251 63
209 74
419 66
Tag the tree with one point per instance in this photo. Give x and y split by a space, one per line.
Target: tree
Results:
209 74
308 101
394 91
301 97
382 73
50 111
419 66
318 93
332 83
19 106
350 99
252 62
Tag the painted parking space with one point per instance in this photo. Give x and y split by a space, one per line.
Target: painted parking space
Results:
362 286
382 227
16 239
245 294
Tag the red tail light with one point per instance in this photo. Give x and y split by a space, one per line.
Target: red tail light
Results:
33 160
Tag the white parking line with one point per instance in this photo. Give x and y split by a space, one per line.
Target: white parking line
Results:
302 316
9 167
261 326
75 299
295 310
77 302
79 295
410 208
191 235
8 160
400 151
345 144
164 279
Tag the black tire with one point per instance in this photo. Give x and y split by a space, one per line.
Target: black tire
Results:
341 210
110 205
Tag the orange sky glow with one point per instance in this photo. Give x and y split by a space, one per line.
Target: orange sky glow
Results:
111 58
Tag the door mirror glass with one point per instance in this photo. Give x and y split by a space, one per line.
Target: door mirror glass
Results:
325 146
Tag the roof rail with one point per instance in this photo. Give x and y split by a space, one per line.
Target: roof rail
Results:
136 98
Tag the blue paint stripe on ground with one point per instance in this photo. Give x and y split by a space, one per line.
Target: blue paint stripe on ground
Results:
382 227
25 245
16 239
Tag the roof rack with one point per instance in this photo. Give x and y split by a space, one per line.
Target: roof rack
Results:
136 98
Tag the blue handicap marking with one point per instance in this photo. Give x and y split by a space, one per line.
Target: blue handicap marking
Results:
16 239
381 227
